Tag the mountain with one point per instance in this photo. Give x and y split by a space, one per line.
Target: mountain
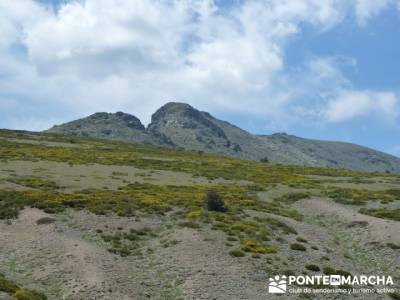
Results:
192 129
181 125
118 126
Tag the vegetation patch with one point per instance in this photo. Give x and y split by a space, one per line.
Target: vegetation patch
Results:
255 247
301 240
393 246
297 247
15 291
395 296
156 199
291 198
357 224
360 197
127 243
45 221
384 213
237 253
189 224
35 183
313 268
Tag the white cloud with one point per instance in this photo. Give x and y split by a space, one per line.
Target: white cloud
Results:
135 55
353 104
366 9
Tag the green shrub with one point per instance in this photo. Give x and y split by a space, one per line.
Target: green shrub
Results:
288 273
45 220
384 213
393 246
189 224
255 247
215 202
301 240
8 212
297 247
29 295
11 288
329 271
35 182
357 224
313 268
7 286
293 197
395 296
236 253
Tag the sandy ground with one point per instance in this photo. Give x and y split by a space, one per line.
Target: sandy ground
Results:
61 260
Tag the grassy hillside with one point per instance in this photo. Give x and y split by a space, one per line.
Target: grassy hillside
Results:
137 217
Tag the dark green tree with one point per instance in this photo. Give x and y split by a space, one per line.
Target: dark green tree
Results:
214 202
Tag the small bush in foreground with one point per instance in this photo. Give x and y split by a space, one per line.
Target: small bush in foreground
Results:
301 240
329 271
297 247
13 289
28 295
236 253
45 221
7 286
313 268
189 224
393 246
395 296
255 247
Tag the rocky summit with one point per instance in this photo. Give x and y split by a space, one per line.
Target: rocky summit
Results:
181 125
118 126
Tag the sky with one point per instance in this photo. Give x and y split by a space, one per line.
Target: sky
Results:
317 69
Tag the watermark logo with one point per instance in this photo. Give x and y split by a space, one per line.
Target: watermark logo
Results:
277 285
330 284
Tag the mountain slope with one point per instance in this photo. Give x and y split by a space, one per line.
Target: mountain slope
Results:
295 150
181 125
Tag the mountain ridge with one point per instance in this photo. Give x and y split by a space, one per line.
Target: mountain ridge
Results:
180 125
